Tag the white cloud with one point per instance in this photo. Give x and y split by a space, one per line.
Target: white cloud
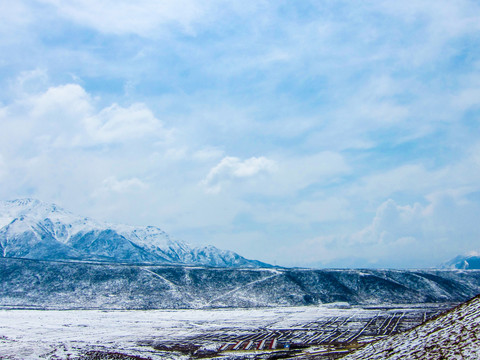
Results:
392 222
445 227
116 123
59 145
113 185
60 104
280 183
30 82
66 116
35 123
232 167
443 17
439 23
418 180
414 235
141 17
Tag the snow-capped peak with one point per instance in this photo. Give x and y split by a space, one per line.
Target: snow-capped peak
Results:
469 261
33 229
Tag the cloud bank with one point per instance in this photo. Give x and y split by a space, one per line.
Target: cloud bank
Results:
307 134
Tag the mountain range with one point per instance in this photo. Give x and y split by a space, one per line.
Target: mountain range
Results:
51 258
99 285
32 229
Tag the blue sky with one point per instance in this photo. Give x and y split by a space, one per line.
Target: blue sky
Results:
324 134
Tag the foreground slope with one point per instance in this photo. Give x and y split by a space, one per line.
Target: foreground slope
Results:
33 229
69 285
453 335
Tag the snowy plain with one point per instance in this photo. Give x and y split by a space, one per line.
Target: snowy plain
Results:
57 334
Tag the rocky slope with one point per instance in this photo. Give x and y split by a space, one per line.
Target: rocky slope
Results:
453 335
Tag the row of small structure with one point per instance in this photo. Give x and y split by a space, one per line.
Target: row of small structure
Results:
264 344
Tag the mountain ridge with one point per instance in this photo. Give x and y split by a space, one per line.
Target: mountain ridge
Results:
33 229
89 285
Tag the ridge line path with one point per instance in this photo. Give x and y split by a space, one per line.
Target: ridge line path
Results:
243 286
171 284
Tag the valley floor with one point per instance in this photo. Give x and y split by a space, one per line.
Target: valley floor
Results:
184 334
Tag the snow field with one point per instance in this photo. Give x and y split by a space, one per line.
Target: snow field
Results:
52 334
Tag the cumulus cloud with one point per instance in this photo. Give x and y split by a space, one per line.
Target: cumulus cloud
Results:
35 123
64 103
393 222
58 144
234 168
443 227
413 235
294 174
116 123
67 116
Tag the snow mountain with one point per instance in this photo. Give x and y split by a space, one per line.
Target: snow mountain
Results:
466 262
33 229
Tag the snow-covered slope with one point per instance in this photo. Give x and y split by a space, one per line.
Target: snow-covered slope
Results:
33 229
69 285
463 262
453 335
